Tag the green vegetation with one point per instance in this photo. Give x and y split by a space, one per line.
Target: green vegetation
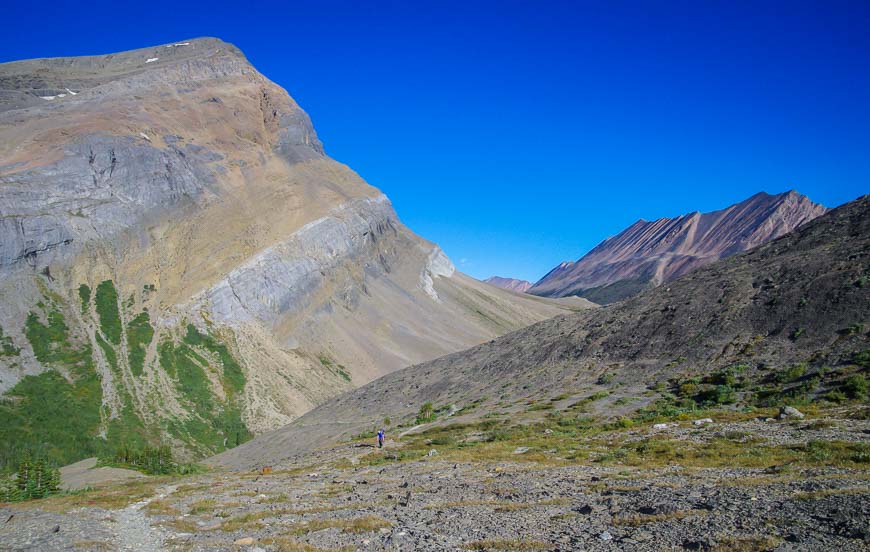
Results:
85 296
342 371
50 416
426 413
50 342
107 308
855 387
215 424
34 479
46 416
561 439
7 348
337 368
149 460
139 336
233 377
58 414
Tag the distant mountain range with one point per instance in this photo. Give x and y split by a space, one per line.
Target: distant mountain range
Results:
511 284
649 253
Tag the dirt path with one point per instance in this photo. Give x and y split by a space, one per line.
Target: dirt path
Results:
134 532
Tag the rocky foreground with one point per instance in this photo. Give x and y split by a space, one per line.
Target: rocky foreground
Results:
730 482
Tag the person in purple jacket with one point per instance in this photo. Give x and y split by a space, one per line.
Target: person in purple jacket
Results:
381 439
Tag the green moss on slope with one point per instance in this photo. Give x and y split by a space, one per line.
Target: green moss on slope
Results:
139 336
214 424
107 308
233 377
7 348
85 296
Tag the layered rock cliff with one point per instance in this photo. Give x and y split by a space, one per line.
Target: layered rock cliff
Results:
181 262
647 254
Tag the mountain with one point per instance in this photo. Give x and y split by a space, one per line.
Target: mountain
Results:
520 286
181 262
785 321
647 254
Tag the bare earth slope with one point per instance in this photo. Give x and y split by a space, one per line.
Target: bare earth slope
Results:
512 284
800 300
647 254
178 254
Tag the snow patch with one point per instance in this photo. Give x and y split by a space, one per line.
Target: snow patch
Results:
48 97
145 136
151 60
438 264
71 93
178 44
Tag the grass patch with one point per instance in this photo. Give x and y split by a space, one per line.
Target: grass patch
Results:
106 299
85 297
204 506
161 507
113 497
139 336
644 519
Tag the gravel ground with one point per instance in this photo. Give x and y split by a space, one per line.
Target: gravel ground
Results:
331 500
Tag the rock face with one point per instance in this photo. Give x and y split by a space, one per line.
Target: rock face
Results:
774 314
512 284
179 255
647 254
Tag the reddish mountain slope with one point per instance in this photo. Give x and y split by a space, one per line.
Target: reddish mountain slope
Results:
647 254
512 284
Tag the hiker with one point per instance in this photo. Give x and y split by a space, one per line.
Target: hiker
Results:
381 439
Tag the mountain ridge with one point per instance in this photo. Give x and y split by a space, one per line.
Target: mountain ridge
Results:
512 284
648 253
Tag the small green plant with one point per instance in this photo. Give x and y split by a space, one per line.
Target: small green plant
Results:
426 413
604 379
855 387
854 329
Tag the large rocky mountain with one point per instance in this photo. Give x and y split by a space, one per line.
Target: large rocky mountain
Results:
648 253
181 262
512 284
799 305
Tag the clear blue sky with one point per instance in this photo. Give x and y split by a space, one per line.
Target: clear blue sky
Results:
520 134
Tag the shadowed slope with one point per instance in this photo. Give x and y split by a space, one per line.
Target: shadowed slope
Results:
803 298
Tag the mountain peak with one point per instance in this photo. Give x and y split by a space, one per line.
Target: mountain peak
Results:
649 253
511 284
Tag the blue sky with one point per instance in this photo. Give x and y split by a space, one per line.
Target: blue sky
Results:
520 134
